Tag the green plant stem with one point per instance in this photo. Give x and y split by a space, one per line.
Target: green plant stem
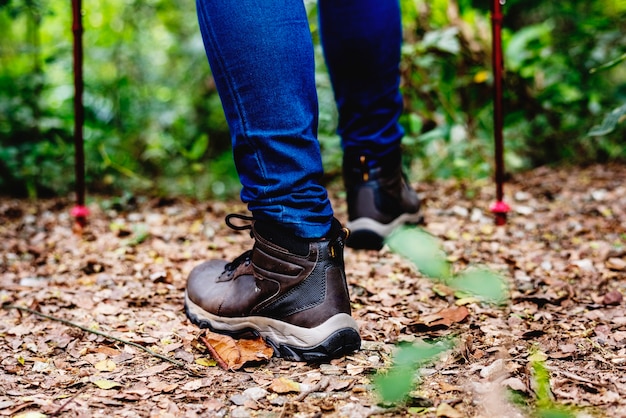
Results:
609 64
108 162
102 334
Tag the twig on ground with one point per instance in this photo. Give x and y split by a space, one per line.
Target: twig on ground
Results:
581 379
102 334
320 386
66 403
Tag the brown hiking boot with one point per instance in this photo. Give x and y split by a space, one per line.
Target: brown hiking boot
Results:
379 200
290 291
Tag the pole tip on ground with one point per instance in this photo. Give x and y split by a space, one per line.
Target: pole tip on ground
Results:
500 210
80 213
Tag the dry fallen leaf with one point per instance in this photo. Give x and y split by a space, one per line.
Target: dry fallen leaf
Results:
615 263
106 384
614 297
447 316
234 354
254 350
105 365
224 348
205 362
194 385
155 370
284 385
30 414
445 410
353 370
163 386
515 383
97 280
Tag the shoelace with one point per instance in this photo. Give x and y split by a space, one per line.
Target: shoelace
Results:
246 257
241 217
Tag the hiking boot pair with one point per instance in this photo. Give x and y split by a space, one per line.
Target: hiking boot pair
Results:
291 291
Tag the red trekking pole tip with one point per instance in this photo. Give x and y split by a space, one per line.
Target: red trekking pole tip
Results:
500 210
80 213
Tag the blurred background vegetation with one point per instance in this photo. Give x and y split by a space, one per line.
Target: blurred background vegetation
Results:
154 122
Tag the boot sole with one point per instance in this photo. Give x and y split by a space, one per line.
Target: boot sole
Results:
334 338
369 234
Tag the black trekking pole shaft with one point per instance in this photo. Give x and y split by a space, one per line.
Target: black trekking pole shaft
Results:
79 211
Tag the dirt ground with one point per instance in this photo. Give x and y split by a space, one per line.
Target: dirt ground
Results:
563 251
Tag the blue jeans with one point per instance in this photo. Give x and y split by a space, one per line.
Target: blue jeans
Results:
261 56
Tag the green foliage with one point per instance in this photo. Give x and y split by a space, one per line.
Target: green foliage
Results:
482 283
556 96
544 405
610 122
154 121
425 252
393 385
551 99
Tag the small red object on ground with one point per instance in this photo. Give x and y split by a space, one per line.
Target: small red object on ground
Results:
500 209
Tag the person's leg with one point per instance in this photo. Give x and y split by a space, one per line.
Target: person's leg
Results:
291 287
261 54
362 41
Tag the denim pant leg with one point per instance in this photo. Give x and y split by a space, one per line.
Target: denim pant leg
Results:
362 41
261 56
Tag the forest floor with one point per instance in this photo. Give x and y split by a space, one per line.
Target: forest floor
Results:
563 252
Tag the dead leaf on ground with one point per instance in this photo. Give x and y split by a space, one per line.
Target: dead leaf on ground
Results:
284 385
564 255
614 297
105 365
446 317
447 411
106 384
234 354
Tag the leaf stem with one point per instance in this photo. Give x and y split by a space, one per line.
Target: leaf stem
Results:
214 353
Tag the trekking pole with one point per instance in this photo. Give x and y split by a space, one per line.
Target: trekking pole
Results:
499 208
79 211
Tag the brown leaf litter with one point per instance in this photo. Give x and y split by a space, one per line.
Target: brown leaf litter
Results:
563 250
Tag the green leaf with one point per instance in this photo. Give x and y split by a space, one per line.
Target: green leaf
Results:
415 123
394 385
198 148
610 122
546 407
446 40
422 249
141 232
555 413
526 44
481 283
